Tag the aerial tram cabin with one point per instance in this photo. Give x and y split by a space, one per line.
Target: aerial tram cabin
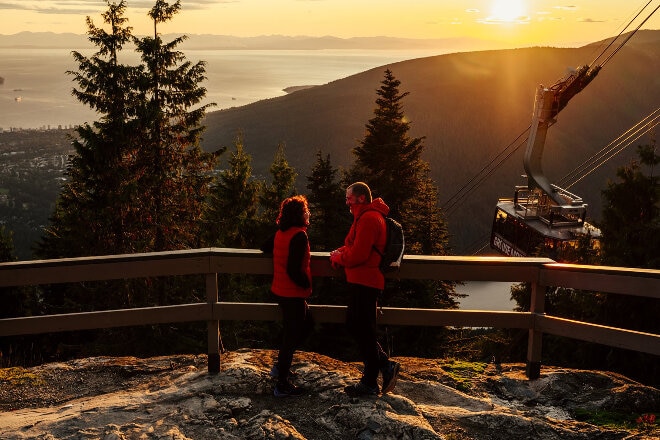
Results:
530 223
543 218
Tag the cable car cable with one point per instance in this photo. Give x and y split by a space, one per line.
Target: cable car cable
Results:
622 31
452 200
630 36
593 158
617 152
452 208
589 166
649 126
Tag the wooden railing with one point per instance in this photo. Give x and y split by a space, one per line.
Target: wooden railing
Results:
540 272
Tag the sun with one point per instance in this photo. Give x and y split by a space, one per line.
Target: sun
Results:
508 11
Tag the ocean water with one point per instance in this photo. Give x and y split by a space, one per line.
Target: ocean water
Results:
486 295
37 92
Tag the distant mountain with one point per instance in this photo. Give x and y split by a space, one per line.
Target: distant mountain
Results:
50 40
469 106
44 40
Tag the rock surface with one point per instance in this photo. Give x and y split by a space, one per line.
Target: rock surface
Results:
175 398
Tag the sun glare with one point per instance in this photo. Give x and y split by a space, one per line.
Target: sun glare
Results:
508 11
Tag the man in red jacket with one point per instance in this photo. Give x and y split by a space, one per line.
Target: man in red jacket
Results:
360 258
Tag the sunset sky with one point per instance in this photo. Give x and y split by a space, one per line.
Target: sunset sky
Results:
524 23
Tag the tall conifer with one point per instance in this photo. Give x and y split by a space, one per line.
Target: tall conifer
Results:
390 162
281 186
330 219
93 212
388 159
233 202
139 179
174 171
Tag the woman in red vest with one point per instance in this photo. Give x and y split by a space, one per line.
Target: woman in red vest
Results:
292 284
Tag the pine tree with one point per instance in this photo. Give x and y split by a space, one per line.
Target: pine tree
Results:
330 218
233 202
387 159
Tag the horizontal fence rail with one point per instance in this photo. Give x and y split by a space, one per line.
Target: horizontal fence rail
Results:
539 272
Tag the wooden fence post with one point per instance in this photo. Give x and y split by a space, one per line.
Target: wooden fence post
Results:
213 326
535 338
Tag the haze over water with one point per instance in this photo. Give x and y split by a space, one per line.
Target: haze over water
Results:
37 92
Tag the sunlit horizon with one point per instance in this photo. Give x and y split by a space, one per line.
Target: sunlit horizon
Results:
514 22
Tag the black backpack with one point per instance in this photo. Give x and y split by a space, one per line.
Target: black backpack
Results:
395 243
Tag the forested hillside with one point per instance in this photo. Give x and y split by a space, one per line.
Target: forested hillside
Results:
469 106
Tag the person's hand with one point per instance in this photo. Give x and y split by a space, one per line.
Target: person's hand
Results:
335 259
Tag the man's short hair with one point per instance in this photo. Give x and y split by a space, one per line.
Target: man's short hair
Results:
361 189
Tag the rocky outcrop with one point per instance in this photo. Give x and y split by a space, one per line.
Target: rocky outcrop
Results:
175 398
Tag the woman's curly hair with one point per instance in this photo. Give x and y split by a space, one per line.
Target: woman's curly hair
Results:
292 212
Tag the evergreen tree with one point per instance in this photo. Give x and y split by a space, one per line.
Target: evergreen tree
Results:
426 232
139 179
330 218
390 162
12 301
281 186
631 238
173 170
6 245
17 301
329 222
93 211
233 203
388 159
631 214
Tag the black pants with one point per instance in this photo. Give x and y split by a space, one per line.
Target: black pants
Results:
361 323
297 324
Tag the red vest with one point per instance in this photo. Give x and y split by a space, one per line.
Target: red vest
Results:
283 285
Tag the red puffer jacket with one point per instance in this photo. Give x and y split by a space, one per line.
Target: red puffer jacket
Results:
358 257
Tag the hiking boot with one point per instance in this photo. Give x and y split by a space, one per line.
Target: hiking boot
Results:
288 390
361 389
275 372
390 374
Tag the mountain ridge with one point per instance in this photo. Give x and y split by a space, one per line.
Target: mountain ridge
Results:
468 106
52 40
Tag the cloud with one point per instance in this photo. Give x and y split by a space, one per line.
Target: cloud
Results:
50 7
523 19
566 8
472 11
93 6
590 20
